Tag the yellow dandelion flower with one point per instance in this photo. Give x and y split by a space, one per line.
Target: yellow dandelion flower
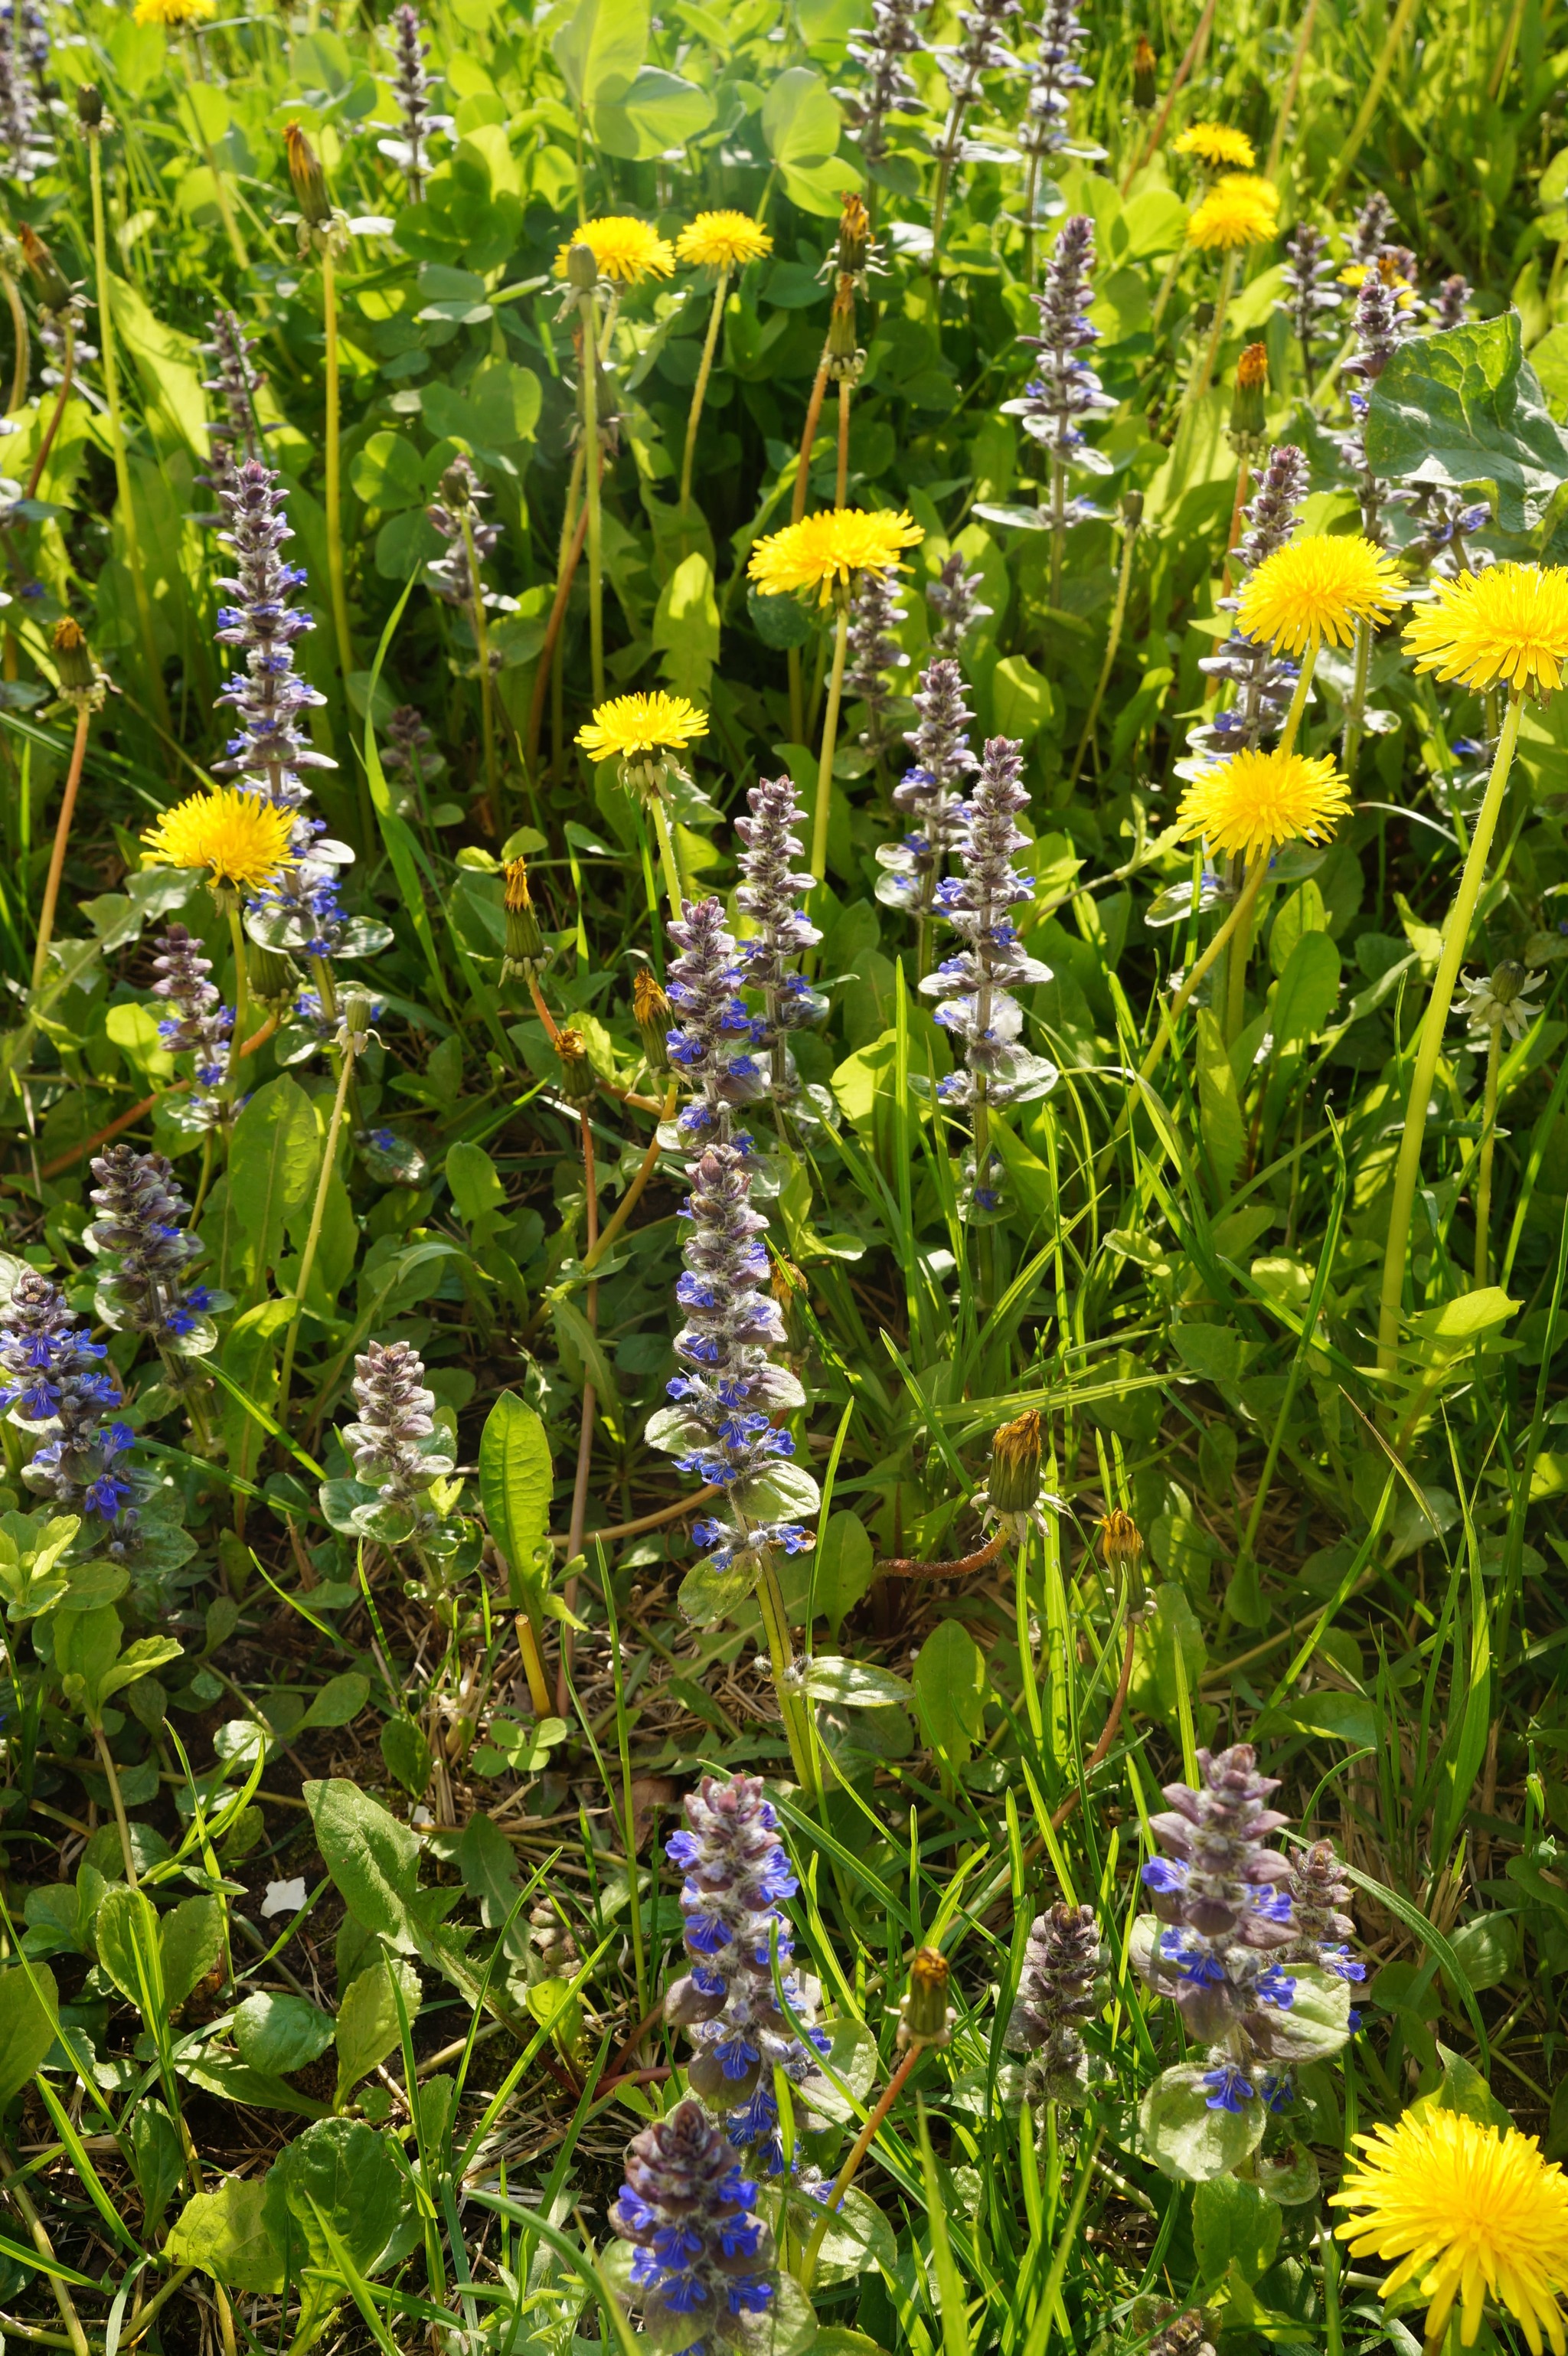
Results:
1254 801
1509 623
627 249
1470 2214
629 725
1318 589
830 548
175 14
1215 144
1238 210
722 242
237 837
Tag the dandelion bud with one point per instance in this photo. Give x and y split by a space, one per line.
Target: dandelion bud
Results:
579 1081
273 977
853 235
582 268
925 2016
73 658
1144 76
653 1014
1013 1485
54 294
1132 512
841 352
526 951
89 107
309 180
1121 1543
354 1031
1251 384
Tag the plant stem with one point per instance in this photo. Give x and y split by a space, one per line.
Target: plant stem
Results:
633 1195
584 1433
1287 104
700 389
781 1656
856 2153
307 1258
333 512
1356 711
242 991
829 741
1057 527
1236 966
117 439
1189 58
533 1665
1455 937
841 487
1198 385
62 836
802 487
45 2248
1113 644
1297 703
106 1762
573 532
595 544
668 864
21 366
486 679
1399 25
1489 1144
66 372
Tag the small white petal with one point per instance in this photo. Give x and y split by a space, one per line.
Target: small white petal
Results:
284 1898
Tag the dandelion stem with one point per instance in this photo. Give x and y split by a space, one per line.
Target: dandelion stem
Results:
62 836
668 863
584 1436
1287 104
1194 49
1356 712
1489 1144
241 990
117 1801
486 677
829 738
595 544
334 510
1198 385
117 440
856 2153
67 372
1113 644
573 532
1455 937
1298 702
700 389
21 366
318 1214
841 487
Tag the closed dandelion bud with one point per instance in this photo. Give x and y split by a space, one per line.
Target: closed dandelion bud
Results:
842 353
274 979
1252 385
89 106
582 268
1132 512
54 294
853 235
652 1012
1145 75
1013 1486
579 1081
73 658
1121 1543
309 180
526 951
925 2016
354 1031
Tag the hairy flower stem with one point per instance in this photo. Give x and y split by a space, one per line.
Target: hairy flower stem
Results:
117 442
829 740
68 371
792 1706
573 533
62 836
841 486
1429 1046
333 509
700 389
591 471
241 992
668 864
1057 527
1237 957
1113 644
1297 704
312 1238
1489 1144
1355 714
856 2153
21 366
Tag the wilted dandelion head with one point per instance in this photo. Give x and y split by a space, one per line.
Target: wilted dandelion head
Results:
238 838
1216 145
1318 589
1254 801
1470 2214
722 241
630 725
829 550
625 249
1238 210
1509 623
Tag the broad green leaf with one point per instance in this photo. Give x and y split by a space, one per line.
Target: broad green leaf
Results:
137 1661
157 2156
800 119
278 2034
406 1754
342 2171
845 1567
338 1702
1465 406
1216 1353
170 367
515 1479
854 1684
950 1689
1304 912
367 2022
29 2022
685 627
225 2233
488 1865
1469 1317
130 1951
386 472
476 1186
274 1157
1234 2222
659 109
1185 2138
600 49
1219 1121
373 1859
1023 700
190 1944
1172 1624
1308 989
